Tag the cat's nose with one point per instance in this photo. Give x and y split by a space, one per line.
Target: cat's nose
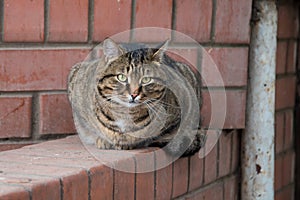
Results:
133 96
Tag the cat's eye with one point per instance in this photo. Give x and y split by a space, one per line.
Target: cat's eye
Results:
122 78
146 80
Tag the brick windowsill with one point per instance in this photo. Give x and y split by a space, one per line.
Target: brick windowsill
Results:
64 169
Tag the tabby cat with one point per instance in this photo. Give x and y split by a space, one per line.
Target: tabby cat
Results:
137 96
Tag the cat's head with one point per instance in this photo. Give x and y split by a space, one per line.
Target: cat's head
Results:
132 75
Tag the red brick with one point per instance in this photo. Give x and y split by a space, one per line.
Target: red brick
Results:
75 186
233 21
15 109
289 130
145 175
45 69
278 172
235 163
185 55
196 172
46 190
68 21
235 108
151 35
287 21
13 193
224 154
124 183
210 166
150 14
6 147
213 192
291 57
163 181
194 18
23 21
111 17
180 177
34 169
288 168
286 193
222 61
55 114
101 186
279 132
231 188
285 92
281 57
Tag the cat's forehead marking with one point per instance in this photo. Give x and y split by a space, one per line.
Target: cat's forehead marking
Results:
138 57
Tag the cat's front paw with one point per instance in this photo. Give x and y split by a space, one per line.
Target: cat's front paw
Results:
102 144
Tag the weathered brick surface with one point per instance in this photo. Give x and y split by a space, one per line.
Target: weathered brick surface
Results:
235 162
291 57
281 57
224 162
150 14
101 183
286 193
196 172
278 173
279 132
118 13
235 108
32 64
233 27
288 168
14 192
231 188
213 192
285 92
49 190
222 62
15 109
164 178
76 186
287 22
23 21
210 166
6 147
55 114
37 69
180 177
145 165
289 130
124 183
195 23
68 21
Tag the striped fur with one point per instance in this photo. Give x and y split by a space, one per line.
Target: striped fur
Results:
123 101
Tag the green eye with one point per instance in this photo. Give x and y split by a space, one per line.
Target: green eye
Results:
146 80
122 78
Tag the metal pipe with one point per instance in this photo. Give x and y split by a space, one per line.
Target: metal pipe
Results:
258 139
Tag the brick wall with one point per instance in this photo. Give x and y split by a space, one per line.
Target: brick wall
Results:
288 30
41 40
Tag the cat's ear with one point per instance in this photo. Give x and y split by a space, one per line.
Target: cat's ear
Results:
160 50
111 49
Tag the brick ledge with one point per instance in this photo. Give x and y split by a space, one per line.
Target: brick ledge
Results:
64 169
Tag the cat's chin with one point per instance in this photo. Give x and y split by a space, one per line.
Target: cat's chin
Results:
130 104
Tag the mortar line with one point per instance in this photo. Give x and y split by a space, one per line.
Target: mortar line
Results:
1 20
46 20
91 10
213 21
132 20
